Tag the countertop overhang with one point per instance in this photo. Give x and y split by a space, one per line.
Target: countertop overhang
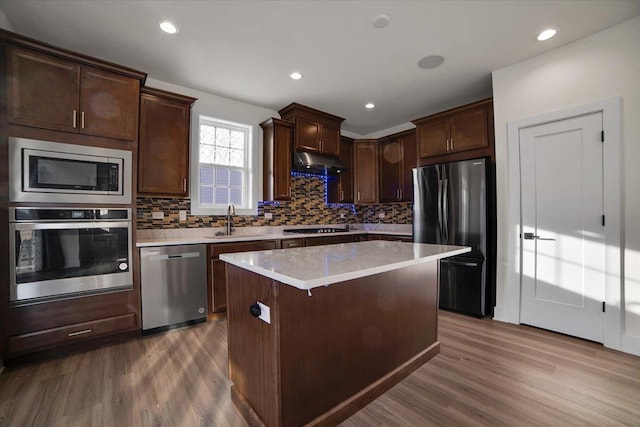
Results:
311 267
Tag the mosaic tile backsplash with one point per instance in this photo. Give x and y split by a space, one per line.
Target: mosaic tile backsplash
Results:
307 207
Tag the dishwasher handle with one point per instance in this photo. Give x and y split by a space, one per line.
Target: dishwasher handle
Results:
174 256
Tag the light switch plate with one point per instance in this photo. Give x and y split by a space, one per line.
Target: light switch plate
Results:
343 215
157 215
182 215
381 215
268 215
265 313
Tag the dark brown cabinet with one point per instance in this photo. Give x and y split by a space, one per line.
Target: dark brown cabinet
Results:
328 240
365 167
461 129
397 158
340 187
314 130
278 141
365 171
163 157
50 92
217 290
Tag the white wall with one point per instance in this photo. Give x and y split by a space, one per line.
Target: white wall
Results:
603 65
4 22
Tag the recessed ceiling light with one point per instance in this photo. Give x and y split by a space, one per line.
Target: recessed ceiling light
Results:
431 61
369 105
381 21
547 34
295 75
168 27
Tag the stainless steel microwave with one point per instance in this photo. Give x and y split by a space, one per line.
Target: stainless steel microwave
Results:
45 171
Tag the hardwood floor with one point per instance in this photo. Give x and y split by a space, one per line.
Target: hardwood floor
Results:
488 373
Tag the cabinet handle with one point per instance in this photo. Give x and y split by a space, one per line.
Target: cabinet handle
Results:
400 191
452 145
341 195
82 119
75 119
73 334
184 184
358 196
447 144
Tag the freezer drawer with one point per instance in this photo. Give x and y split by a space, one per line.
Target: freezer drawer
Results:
174 285
463 286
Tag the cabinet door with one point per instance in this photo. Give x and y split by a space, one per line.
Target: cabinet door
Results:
42 91
366 172
432 137
469 129
282 151
217 269
307 134
328 240
409 161
163 157
340 187
390 170
108 104
330 140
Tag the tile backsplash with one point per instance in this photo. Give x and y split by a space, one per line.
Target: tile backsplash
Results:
307 207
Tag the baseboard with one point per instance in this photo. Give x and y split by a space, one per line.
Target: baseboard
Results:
501 314
630 344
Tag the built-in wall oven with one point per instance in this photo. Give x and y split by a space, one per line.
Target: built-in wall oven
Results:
53 172
59 253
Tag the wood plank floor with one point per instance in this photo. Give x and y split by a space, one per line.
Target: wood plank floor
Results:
488 373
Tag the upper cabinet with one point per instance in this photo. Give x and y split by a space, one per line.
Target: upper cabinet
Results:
365 175
163 156
340 187
467 128
56 89
396 159
278 141
314 130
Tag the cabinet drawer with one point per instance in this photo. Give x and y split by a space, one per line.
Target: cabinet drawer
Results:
70 333
292 243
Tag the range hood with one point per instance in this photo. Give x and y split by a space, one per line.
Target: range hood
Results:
317 163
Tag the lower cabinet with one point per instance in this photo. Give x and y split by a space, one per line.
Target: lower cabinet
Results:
217 291
329 240
390 237
70 334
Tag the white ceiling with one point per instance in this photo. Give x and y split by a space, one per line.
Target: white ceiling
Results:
245 50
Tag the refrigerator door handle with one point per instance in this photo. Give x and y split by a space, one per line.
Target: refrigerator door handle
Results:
445 209
440 236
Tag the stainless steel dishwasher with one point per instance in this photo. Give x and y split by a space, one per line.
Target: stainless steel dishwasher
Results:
174 286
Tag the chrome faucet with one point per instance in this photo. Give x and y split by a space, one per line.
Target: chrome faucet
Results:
231 210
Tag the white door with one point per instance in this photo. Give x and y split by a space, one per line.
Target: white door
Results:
562 235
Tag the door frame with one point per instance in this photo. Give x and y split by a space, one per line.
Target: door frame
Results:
611 109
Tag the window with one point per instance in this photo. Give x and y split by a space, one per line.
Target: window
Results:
225 163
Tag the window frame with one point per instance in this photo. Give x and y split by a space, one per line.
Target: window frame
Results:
250 169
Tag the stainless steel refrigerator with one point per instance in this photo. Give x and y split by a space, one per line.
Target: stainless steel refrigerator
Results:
451 206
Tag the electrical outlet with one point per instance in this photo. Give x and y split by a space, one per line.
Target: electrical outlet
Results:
342 216
157 215
381 215
268 215
265 313
182 215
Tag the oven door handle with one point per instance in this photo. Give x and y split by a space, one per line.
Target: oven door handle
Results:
68 225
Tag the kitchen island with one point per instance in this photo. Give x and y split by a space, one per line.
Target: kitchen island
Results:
339 325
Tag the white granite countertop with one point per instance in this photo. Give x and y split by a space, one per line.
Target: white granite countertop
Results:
199 236
310 267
